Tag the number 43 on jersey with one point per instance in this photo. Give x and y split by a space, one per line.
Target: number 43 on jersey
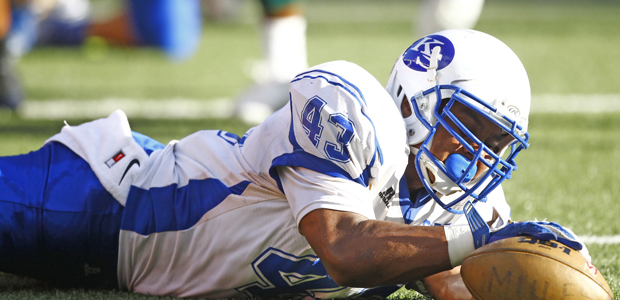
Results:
335 148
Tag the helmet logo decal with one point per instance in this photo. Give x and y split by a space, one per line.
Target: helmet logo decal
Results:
418 56
514 110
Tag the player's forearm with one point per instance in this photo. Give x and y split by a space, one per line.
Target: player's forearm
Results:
368 253
389 253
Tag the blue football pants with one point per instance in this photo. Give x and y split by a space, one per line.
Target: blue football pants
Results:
57 222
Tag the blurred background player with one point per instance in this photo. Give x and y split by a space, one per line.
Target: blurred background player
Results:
283 40
172 25
437 15
285 54
10 89
175 27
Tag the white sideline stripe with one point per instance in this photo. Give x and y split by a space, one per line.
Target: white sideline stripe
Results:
179 108
601 239
574 103
182 108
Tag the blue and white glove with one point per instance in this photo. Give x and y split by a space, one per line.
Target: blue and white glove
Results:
549 231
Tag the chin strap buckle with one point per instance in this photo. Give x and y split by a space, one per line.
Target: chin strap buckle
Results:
431 72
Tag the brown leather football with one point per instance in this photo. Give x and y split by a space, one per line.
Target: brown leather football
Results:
528 268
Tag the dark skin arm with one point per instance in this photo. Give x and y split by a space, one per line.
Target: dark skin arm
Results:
448 285
358 252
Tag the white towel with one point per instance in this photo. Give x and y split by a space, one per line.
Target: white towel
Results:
110 150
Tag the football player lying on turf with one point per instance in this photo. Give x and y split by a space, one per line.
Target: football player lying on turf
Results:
338 194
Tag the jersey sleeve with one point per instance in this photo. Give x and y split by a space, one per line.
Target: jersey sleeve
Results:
331 131
307 190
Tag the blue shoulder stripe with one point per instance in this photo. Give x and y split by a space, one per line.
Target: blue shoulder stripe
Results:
170 208
408 208
314 163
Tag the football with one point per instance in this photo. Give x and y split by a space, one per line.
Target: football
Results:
528 268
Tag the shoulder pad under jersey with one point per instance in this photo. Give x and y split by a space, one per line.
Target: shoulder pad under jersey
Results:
331 129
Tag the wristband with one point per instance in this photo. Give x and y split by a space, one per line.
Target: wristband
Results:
460 243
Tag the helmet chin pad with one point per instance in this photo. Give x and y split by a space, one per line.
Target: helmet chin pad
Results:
456 165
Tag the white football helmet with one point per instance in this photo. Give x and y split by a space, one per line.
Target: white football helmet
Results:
479 71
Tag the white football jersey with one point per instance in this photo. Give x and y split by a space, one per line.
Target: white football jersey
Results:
215 215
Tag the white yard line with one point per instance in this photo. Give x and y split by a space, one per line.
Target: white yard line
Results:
137 108
182 108
552 103
601 239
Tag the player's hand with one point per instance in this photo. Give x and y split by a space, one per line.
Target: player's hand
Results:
541 230
549 231
447 285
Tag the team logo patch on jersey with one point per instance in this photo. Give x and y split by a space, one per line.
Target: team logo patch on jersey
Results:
116 158
417 57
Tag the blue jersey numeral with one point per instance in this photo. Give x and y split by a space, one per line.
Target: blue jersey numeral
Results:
284 274
311 121
338 151
232 138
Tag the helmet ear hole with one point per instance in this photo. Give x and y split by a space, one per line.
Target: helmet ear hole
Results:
405 107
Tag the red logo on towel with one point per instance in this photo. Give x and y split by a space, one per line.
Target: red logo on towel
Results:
112 161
